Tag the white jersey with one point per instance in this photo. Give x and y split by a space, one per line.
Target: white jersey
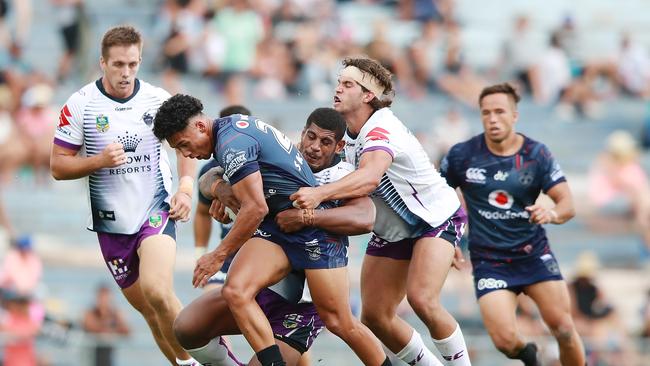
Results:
294 287
121 198
412 196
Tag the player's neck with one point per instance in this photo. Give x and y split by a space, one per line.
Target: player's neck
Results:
117 94
357 118
507 147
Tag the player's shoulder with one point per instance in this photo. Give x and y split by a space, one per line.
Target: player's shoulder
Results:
82 96
467 147
381 125
341 169
152 90
534 148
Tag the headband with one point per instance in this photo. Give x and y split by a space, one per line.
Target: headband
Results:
364 79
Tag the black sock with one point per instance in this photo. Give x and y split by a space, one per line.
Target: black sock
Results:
270 356
528 355
386 362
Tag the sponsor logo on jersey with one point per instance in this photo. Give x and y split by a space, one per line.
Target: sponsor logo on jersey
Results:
313 249
504 215
101 122
490 284
64 117
377 134
129 143
242 124
120 108
106 215
501 199
233 160
475 175
501 176
155 221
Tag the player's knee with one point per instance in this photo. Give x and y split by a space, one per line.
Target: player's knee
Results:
236 295
183 330
157 297
339 323
506 341
374 320
562 328
423 303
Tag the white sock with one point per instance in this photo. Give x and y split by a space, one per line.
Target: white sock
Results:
453 349
215 353
188 362
415 353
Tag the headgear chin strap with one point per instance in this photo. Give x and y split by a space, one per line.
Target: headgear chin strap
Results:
364 79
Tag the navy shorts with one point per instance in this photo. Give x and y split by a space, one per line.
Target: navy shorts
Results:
491 275
309 248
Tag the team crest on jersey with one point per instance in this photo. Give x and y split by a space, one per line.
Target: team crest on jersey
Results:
501 199
526 177
155 221
147 118
102 124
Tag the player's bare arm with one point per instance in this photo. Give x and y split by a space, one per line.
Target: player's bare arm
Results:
361 182
67 164
181 202
563 211
356 217
251 214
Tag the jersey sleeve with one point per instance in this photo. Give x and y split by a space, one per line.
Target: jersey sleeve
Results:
239 157
551 171
69 131
378 138
449 169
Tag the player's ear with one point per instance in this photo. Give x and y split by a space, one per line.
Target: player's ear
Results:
368 97
202 127
339 146
515 114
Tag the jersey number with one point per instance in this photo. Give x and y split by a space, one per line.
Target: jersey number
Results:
279 136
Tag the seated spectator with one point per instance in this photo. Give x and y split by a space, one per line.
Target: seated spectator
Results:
596 318
634 68
619 185
447 131
36 121
19 325
106 322
21 269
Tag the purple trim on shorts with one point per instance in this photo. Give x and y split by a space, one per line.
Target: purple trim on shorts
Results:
230 354
384 148
66 144
450 230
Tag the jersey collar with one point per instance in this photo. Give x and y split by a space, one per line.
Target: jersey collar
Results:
100 86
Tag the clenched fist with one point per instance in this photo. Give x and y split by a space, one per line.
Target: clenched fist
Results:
113 155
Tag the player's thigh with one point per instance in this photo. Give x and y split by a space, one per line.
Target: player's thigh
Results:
290 355
157 258
552 299
498 309
330 289
383 285
205 318
259 263
430 264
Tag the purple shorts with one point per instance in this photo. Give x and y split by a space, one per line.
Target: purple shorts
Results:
450 230
120 251
297 325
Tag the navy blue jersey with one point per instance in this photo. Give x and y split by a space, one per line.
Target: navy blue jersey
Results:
225 228
245 144
497 190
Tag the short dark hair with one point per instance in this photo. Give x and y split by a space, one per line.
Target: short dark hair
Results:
503 88
174 115
123 35
327 119
234 109
376 69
